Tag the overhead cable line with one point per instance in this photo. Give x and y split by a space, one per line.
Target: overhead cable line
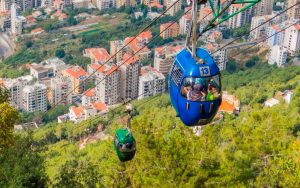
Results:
111 57
255 28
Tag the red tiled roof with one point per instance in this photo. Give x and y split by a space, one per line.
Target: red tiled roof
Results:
276 28
37 30
78 111
297 27
145 35
100 54
168 25
90 92
146 69
157 5
226 107
129 60
99 106
107 70
76 71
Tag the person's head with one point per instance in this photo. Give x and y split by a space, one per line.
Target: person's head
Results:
212 88
198 87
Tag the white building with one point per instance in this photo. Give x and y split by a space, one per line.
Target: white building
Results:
261 31
184 24
220 56
278 56
152 82
78 114
177 7
240 19
16 21
107 81
292 39
264 7
89 96
15 86
35 98
59 91
271 102
164 57
275 35
130 72
105 4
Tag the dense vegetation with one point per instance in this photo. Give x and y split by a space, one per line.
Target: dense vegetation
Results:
259 148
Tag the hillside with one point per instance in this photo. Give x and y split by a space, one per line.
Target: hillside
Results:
258 148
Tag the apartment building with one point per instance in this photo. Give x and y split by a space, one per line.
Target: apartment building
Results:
295 11
77 76
275 34
176 8
264 7
149 2
184 23
169 30
116 46
292 39
47 69
15 86
220 56
151 82
97 55
137 47
241 18
107 80
130 72
16 21
78 114
164 57
258 29
35 98
89 96
105 4
278 56
126 3
59 91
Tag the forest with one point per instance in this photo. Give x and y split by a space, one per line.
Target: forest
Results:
258 148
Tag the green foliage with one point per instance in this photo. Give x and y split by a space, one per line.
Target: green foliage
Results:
60 53
8 117
21 165
231 66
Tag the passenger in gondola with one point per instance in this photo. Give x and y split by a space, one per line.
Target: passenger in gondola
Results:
195 93
212 93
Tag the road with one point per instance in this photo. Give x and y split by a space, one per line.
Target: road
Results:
6 46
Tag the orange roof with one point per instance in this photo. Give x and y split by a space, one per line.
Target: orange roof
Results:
128 59
106 69
78 111
276 28
1 82
297 27
170 49
99 106
100 54
206 10
37 30
226 107
90 92
188 16
145 35
168 25
238 6
76 71
156 4
136 45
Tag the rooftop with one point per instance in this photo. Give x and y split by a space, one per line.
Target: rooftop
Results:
76 71
99 54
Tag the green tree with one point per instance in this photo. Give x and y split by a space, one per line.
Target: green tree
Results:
21 165
231 66
8 117
60 53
